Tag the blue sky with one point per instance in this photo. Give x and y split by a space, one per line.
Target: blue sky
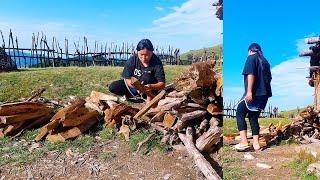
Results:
185 24
279 27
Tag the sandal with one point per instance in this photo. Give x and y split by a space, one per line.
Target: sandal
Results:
241 147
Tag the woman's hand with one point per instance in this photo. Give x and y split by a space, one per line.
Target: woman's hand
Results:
249 97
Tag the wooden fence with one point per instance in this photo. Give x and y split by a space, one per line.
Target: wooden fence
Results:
45 53
230 110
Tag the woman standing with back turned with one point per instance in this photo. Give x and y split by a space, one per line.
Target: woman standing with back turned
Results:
257 79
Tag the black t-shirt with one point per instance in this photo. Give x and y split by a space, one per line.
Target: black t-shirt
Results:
152 74
260 68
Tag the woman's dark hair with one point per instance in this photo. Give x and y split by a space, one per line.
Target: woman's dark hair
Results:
145 43
255 47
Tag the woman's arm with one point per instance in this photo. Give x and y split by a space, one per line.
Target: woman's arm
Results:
250 80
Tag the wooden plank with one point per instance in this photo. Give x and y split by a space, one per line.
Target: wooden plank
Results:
198 158
54 122
21 107
73 132
150 104
23 116
81 119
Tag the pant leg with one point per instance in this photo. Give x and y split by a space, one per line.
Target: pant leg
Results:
241 114
119 88
254 123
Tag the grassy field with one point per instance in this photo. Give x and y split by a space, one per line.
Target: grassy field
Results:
63 82
199 52
230 125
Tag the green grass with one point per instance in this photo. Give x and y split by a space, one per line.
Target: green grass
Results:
300 165
231 165
200 52
153 143
230 125
81 144
60 83
106 156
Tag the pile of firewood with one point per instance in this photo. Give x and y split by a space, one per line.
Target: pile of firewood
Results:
69 122
17 117
306 126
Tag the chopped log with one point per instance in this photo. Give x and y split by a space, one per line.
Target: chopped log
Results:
11 128
219 86
185 118
209 138
38 122
98 96
204 166
168 100
81 119
150 104
140 87
20 107
200 74
178 94
74 107
54 122
24 116
312 40
169 120
77 112
117 111
73 132
167 107
158 117
93 106
214 109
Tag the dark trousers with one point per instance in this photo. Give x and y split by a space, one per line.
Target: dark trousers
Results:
242 112
119 88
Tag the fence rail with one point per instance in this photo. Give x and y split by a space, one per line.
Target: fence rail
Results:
230 110
45 53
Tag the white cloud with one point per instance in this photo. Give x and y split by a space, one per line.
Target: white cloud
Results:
290 85
192 19
158 8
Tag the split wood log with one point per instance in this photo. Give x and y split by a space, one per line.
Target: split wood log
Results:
169 120
200 74
20 107
54 122
115 113
75 121
158 117
187 117
93 106
214 109
150 104
178 94
73 132
204 166
205 142
11 128
140 87
219 86
24 116
98 96
168 106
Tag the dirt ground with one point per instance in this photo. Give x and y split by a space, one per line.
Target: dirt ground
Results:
121 163
276 156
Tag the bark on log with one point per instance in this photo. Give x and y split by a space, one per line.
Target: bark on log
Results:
98 96
73 132
205 142
21 107
198 158
150 104
24 116
75 121
187 117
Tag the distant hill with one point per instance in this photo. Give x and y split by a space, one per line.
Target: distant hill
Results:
211 51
